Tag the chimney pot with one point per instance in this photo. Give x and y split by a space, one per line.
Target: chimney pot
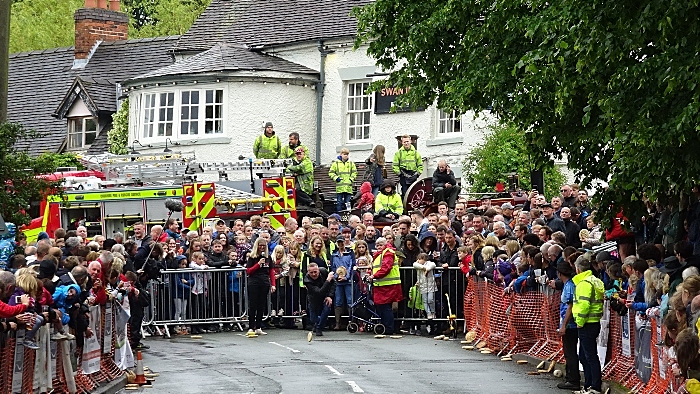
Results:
114 5
90 3
102 4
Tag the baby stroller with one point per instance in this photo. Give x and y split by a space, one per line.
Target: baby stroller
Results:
362 312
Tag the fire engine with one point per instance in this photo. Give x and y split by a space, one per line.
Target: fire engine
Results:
117 191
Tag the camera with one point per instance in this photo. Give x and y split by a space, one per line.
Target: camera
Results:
618 306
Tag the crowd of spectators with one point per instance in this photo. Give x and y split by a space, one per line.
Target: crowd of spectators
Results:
651 272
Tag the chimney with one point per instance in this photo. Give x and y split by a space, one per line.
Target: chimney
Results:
99 20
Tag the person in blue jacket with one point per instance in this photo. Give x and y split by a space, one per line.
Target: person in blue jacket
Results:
342 263
182 283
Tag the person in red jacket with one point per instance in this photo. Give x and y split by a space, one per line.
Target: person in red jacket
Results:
387 283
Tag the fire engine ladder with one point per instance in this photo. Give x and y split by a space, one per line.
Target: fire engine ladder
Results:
143 168
259 167
232 198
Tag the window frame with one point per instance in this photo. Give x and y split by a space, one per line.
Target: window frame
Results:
176 110
452 121
83 133
351 130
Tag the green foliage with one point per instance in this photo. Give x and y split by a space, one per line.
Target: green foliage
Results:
168 17
118 137
18 174
42 24
504 151
55 160
610 84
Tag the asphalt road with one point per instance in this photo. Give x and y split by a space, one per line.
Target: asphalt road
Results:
284 362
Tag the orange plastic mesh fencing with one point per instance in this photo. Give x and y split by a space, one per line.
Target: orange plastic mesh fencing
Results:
59 382
481 309
83 381
500 336
28 371
526 321
470 300
7 355
621 367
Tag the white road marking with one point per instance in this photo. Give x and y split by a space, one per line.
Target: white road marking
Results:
286 347
335 371
355 387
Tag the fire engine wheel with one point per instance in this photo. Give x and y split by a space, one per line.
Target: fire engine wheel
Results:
420 194
379 329
352 327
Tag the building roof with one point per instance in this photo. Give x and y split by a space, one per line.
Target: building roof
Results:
270 22
40 80
225 57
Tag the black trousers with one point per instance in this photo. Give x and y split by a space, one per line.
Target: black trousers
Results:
569 341
448 195
257 303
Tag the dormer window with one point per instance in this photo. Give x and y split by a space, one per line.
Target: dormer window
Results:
81 132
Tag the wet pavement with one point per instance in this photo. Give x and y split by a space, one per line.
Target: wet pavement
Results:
284 362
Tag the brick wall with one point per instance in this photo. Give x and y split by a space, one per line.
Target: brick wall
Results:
98 24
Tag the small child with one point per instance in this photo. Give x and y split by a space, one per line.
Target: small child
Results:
242 247
465 259
426 283
28 284
138 299
199 289
366 201
183 286
281 268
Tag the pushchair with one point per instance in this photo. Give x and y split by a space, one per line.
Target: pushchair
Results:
362 312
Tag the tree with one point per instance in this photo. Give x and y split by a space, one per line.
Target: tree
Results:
612 84
42 24
18 173
504 151
118 137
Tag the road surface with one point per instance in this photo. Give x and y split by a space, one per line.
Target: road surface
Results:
284 362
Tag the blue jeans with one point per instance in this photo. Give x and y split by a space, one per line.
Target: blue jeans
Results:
343 294
588 355
387 317
341 200
375 190
318 315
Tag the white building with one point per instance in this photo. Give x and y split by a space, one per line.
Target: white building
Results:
246 62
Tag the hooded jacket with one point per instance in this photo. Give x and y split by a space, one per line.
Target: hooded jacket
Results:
388 202
304 172
409 160
366 201
7 246
433 246
346 260
344 174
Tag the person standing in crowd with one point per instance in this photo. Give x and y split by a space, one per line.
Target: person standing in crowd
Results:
289 151
343 172
267 145
261 279
587 311
374 171
387 283
407 164
567 328
320 288
551 220
303 171
343 265
445 185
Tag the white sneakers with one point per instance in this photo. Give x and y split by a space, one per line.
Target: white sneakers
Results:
260 332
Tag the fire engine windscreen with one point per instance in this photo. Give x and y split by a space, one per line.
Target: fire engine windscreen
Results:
174 205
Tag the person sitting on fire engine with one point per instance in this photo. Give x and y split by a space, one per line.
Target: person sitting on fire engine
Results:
303 170
267 145
289 151
445 185
388 205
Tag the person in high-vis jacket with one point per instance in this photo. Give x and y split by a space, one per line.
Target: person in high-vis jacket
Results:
303 170
407 164
288 151
343 172
267 145
387 283
388 204
587 311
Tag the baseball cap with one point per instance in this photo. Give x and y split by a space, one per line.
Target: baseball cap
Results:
339 238
507 205
299 150
220 221
546 205
268 124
